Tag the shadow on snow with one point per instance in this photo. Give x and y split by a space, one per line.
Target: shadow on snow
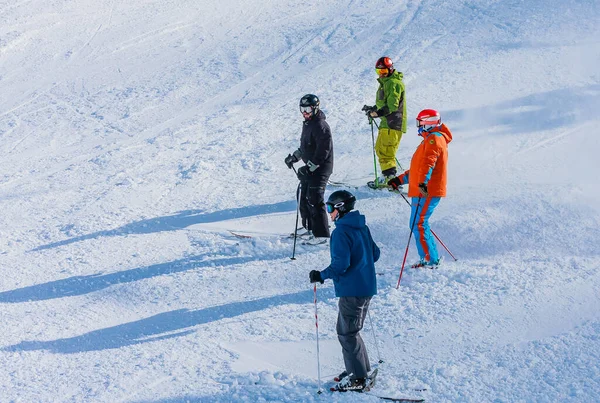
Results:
80 285
162 326
543 111
178 221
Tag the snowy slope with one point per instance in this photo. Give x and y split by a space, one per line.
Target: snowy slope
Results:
136 135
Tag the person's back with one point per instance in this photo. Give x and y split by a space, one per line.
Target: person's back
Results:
352 269
390 99
353 256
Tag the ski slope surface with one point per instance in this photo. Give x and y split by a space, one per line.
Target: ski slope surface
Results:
137 135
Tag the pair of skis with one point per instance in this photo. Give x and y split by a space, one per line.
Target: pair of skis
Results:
370 383
371 185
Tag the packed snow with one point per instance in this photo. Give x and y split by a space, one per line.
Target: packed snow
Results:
137 136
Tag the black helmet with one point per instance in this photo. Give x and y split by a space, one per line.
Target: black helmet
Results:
342 201
310 100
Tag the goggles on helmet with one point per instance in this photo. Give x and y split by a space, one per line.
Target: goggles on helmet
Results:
429 122
331 207
383 71
306 109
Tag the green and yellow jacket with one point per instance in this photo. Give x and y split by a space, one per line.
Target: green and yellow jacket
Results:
391 103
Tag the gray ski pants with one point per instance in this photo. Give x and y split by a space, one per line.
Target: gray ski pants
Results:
351 317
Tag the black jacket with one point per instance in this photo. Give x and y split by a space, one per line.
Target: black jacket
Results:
316 144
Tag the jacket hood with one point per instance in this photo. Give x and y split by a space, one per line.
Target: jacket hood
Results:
319 116
396 74
443 129
352 219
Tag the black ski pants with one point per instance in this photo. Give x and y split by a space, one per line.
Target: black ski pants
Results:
312 205
351 317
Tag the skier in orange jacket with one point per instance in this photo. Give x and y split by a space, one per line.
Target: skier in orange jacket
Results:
426 180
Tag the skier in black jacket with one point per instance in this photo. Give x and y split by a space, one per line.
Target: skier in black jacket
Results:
316 151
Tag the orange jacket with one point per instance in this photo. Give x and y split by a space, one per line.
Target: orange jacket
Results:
429 163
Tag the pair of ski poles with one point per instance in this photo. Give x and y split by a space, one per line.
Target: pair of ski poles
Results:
412 227
380 361
372 122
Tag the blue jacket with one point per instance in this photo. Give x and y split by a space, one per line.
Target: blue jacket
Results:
353 257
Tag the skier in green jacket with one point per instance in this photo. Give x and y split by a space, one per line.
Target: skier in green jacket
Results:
390 107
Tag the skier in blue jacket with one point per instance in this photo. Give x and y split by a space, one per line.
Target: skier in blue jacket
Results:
352 269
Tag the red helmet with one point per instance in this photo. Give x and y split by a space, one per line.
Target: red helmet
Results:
384 67
384 63
427 119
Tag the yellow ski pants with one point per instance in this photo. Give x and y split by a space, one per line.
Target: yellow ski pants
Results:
386 147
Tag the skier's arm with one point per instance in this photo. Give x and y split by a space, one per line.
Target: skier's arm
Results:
404 177
323 147
393 100
393 95
340 256
376 251
430 155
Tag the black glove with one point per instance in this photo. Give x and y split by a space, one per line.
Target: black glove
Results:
303 173
289 161
315 276
423 189
395 183
368 109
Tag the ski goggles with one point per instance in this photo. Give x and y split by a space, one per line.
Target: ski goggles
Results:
306 109
383 71
331 207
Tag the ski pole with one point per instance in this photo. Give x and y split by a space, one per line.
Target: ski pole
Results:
412 227
434 234
375 338
399 165
374 156
318 353
297 212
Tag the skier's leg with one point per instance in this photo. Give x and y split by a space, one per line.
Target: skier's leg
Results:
351 316
416 206
386 147
316 205
304 211
423 235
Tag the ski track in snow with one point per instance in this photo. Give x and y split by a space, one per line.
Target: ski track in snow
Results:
138 135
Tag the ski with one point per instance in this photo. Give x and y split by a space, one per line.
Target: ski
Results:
341 184
340 376
370 185
423 265
374 186
370 382
310 242
246 236
299 234
238 235
398 399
